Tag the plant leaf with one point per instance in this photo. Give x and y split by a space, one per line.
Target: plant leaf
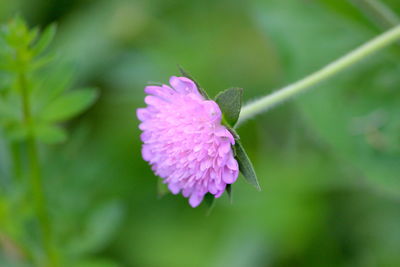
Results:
209 201
68 105
44 40
42 61
16 131
95 262
230 103
228 190
245 166
50 134
99 228
58 80
8 112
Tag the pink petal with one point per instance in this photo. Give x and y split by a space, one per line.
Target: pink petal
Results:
183 85
195 200
185 142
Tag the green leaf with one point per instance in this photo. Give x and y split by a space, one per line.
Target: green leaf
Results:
209 201
44 40
50 134
230 103
245 165
228 190
187 75
99 228
42 61
68 105
16 131
95 263
57 81
8 112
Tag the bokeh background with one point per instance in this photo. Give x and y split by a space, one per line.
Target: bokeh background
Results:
328 162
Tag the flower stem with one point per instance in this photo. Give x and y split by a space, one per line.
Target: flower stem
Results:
35 178
294 89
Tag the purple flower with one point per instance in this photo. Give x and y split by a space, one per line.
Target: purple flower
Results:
185 142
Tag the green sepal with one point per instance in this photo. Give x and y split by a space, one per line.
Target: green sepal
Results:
228 190
245 165
187 75
230 103
209 201
233 132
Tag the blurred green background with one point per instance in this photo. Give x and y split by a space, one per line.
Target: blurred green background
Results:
328 162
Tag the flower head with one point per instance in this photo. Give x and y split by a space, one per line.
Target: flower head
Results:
185 142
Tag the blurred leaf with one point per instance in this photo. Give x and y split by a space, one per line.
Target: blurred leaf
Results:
7 64
99 229
8 112
42 61
16 131
44 40
68 105
58 79
245 166
16 33
96 263
50 134
230 103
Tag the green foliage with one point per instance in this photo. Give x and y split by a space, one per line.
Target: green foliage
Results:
245 165
209 201
230 103
354 112
96 263
34 98
98 229
30 68
229 192
67 105
50 134
44 41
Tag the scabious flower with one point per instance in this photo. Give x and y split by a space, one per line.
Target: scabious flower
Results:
185 142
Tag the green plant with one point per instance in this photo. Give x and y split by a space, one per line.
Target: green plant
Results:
34 100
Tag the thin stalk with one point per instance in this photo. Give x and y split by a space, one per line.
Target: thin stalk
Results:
267 102
36 174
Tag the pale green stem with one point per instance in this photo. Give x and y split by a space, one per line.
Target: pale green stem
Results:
265 103
36 174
